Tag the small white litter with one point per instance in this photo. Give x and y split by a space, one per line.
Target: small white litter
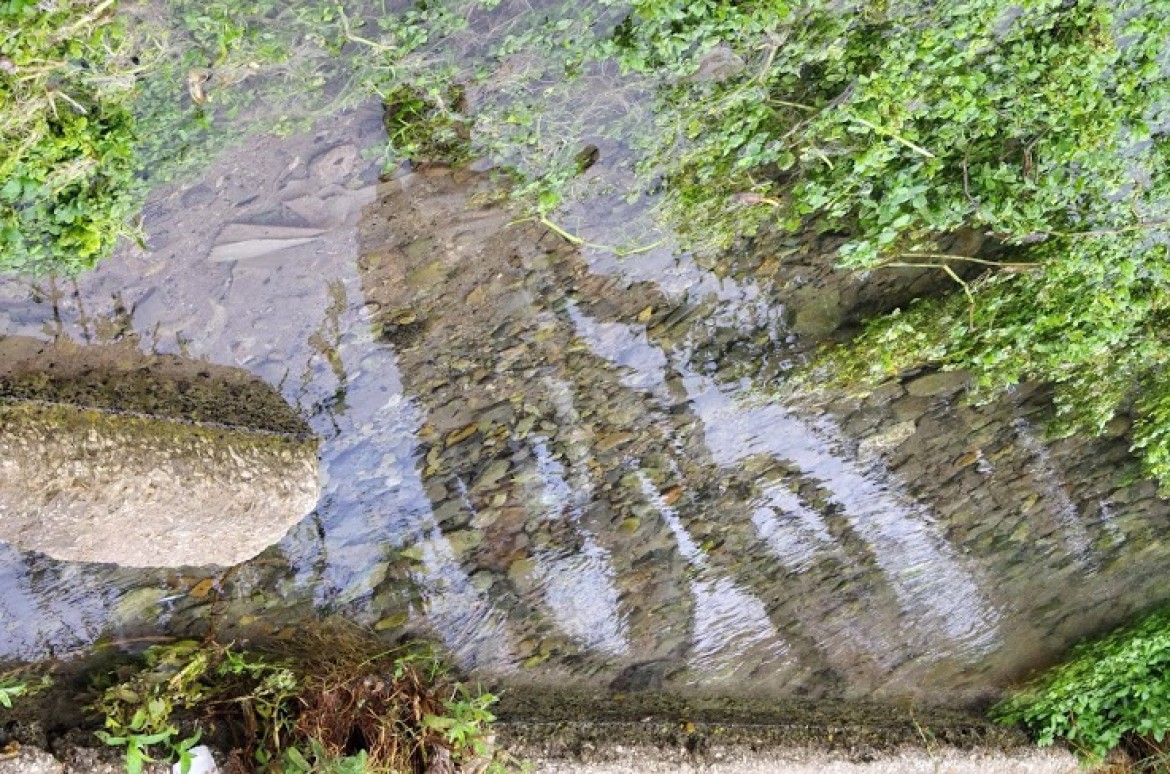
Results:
201 762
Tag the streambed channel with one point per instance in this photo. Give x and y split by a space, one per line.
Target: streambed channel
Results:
571 468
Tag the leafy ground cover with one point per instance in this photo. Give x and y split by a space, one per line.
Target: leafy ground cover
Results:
21 682
101 100
1111 692
66 132
335 702
1039 127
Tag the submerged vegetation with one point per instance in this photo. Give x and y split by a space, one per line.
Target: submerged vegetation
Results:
1112 692
334 702
1035 131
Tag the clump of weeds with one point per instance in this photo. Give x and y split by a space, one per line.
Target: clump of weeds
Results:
22 682
337 701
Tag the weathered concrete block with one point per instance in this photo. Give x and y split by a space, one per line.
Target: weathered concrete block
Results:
107 455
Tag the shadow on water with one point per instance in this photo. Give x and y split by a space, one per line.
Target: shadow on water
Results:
565 466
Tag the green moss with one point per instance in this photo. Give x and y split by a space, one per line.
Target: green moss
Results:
138 432
120 378
247 403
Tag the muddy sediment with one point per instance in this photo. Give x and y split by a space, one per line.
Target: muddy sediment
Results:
570 720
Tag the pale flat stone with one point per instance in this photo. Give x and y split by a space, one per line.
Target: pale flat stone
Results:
92 486
246 232
336 163
111 455
939 383
241 241
253 248
332 207
889 438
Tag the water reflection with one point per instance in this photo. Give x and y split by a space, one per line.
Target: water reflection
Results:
35 622
729 623
933 587
576 574
559 464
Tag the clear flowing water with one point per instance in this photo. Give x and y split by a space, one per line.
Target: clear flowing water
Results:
566 466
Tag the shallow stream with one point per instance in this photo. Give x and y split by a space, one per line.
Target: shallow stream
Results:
568 466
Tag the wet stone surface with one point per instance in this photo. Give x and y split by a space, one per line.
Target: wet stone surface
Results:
572 468
91 486
111 455
119 378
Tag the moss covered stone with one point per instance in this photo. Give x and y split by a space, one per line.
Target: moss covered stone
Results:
108 455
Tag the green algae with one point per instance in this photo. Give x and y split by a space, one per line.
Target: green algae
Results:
116 380
45 419
196 401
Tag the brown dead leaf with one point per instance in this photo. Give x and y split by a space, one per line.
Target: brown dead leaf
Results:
195 80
